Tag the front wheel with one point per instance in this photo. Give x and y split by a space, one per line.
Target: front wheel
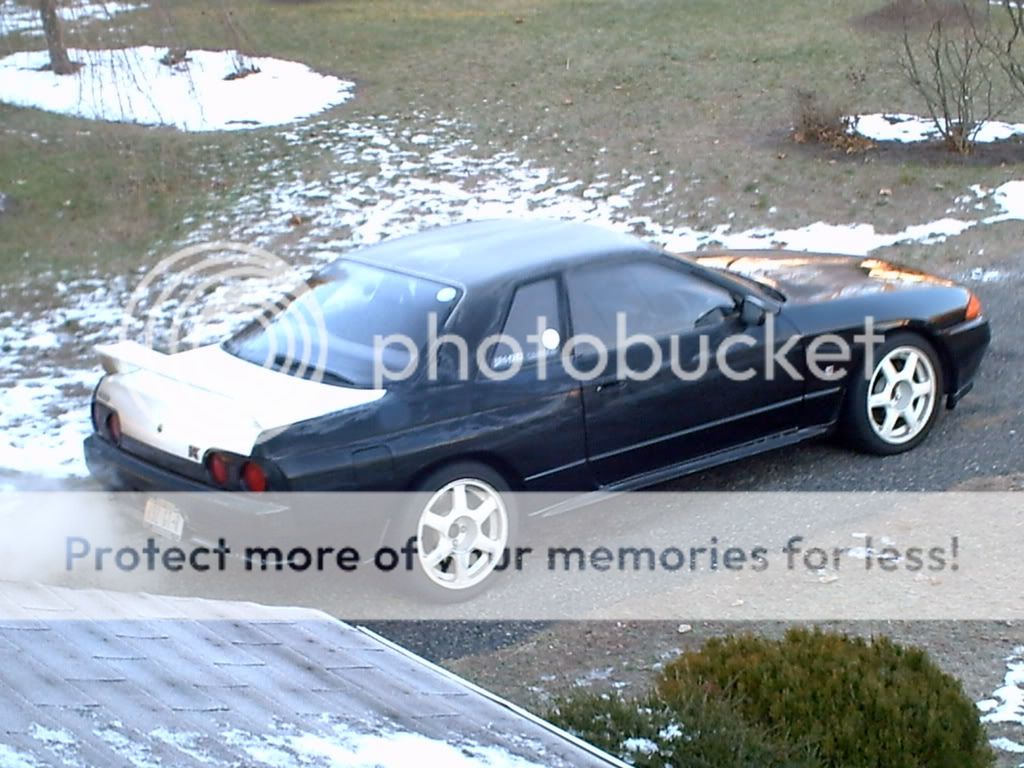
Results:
464 520
892 408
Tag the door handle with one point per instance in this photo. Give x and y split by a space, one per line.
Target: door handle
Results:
608 386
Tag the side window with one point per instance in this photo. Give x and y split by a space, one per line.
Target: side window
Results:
532 304
653 299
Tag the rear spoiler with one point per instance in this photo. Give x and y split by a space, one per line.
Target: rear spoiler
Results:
129 356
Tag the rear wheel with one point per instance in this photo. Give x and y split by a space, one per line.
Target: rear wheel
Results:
892 408
463 520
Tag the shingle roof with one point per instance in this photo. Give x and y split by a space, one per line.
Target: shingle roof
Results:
96 678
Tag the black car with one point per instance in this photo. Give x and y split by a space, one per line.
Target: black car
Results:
470 361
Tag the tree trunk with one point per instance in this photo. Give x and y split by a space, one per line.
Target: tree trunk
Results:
60 62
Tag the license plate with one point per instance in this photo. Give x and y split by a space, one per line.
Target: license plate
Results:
163 516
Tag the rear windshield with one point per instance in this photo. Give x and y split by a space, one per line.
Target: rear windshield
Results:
328 332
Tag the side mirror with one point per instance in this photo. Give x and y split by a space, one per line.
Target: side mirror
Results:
752 311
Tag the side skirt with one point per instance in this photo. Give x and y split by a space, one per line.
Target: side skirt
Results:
746 450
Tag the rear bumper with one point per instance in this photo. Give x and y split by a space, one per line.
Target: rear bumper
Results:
120 471
212 514
965 345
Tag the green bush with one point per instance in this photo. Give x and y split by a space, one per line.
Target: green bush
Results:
857 703
694 732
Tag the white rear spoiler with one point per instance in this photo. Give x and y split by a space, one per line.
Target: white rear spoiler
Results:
129 356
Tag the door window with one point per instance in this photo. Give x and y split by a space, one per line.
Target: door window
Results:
532 326
654 299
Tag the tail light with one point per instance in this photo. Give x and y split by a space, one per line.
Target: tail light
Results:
233 472
973 308
253 477
217 467
113 424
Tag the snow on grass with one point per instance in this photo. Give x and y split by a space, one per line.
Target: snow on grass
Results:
130 85
851 239
378 177
47 373
640 746
388 182
24 18
911 129
671 732
1006 705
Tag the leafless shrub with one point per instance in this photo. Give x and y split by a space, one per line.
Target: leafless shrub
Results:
1007 46
951 61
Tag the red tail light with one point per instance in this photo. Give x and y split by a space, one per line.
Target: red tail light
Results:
218 468
253 477
114 427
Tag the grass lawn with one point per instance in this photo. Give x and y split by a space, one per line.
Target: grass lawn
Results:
703 88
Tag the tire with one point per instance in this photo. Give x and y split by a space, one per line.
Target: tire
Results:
458 555
892 408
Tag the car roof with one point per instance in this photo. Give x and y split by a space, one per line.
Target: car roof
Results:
486 252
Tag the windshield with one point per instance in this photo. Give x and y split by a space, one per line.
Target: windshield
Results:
757 282
329 332
719 265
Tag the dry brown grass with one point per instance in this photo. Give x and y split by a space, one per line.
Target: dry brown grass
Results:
817 121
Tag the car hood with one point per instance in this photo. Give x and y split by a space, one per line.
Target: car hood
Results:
204 398
805 278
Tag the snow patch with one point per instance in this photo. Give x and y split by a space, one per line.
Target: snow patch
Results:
1006 705
356 749
1007 702
982 275
58 741
1007 745
594 676
640 745
850 239
670 732
186 742
130 85
1009 198
912 129
129 750
12 758
23 19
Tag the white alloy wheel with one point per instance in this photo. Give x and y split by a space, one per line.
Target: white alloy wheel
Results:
462 533
902 395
